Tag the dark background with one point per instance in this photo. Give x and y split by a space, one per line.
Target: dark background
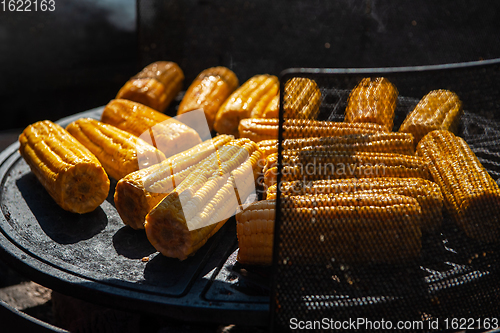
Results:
54 64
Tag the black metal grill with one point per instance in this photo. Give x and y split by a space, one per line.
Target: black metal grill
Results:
454 277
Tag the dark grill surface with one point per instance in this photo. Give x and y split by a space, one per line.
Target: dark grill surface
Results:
97 258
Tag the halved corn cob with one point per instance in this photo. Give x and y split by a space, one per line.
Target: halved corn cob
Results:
155 86
471 196
352 228
167 134
373 100
427 193
72 176
255 231
439 109
208 91
184 220
119 152
248 101
137 193
377 142
314 165
302 99
259 129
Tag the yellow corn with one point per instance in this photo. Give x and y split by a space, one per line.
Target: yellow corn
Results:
372 101
248 101
155 86
378 142
471 196
137 193
185 219
72 176
259 129
167 134
208 91
302 99
439 109
255 231
349 227
314 165
119 152
427 193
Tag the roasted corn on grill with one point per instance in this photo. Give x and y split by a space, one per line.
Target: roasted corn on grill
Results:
119 152
471 196
373 100
155 86
259 129
248 101
70 173
168 135
208 92
353 228
439 109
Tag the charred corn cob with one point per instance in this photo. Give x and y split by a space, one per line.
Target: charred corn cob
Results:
259 129
208 91
138 192
427 193
167 134
352 228
378 142
471 196
72 176
314 165
119 152
302 99
248 101
372 101
439 109
155 86
184 220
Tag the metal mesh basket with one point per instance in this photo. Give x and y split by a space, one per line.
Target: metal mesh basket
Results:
453 276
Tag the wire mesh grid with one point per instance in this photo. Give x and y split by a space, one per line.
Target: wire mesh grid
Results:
325 269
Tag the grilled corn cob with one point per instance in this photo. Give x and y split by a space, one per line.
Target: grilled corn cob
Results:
352 228
155 86
119 152
302 99
377 142
259 129
248 101
137 193
372 101
427 193
255 231
439 109
184 220
471 196
208 91
72 176
167 134
314 165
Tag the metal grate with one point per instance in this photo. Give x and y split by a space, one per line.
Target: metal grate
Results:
452 277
